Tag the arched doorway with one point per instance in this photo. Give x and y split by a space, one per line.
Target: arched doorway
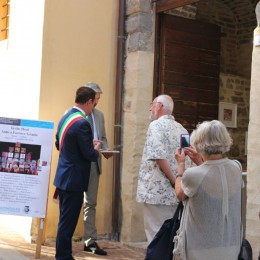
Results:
237 21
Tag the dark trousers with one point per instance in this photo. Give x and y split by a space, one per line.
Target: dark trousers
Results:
70 204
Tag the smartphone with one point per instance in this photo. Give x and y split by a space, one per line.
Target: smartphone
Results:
185 140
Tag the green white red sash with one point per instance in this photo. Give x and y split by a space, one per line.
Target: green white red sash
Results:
69 121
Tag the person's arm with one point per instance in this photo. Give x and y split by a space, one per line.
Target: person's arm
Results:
180 158
166 169
178 190
85 141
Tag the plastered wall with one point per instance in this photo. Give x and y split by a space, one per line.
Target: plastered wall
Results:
79 45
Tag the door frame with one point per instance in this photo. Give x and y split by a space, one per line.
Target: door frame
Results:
160 7
163 5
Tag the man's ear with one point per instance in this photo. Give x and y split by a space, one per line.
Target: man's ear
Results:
88 102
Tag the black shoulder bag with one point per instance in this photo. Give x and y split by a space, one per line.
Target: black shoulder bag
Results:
162 245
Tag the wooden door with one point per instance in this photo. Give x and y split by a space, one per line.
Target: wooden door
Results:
188 58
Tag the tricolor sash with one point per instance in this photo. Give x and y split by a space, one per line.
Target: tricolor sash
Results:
69 121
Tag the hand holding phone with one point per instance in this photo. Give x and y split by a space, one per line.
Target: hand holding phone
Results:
185 140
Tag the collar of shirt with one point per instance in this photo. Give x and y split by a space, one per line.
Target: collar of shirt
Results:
79 110
166 117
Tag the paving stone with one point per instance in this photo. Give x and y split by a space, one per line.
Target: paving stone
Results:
14 247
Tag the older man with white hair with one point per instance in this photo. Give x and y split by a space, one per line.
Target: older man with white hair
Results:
97 122
158 167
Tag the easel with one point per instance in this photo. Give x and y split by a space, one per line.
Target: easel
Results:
39 238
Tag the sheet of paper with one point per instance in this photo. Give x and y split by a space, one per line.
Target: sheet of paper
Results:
110 151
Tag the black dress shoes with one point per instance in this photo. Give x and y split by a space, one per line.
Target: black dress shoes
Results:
94 249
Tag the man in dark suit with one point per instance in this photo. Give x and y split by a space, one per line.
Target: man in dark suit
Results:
96 117
74 140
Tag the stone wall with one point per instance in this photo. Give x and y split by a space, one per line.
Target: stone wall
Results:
235 89
138 89
187 11
236 47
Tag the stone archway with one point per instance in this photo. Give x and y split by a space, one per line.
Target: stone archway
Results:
138 90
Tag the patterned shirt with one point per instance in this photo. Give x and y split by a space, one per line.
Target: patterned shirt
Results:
163 138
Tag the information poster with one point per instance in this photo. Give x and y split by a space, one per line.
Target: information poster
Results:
25 158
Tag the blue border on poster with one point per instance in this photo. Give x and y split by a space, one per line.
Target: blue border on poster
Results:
26 122
38 124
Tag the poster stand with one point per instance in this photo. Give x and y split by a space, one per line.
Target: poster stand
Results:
39 239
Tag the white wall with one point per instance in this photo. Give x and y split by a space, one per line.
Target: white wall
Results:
20 61
54 47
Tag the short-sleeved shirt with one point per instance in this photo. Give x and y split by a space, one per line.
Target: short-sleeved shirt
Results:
212 213
163 138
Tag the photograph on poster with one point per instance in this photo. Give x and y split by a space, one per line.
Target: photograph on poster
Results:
16 162
227 114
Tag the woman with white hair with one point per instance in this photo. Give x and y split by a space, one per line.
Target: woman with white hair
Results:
211 193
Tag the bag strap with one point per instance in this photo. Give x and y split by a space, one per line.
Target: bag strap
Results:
179 209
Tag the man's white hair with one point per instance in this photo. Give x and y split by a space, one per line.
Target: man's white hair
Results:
167 103
94 86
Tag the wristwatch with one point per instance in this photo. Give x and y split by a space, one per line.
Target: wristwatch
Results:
178 175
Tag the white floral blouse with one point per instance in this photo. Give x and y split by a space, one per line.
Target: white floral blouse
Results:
163 137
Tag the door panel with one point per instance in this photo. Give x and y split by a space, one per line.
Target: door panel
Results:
191 94
188 68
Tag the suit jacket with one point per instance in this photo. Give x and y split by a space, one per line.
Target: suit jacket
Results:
100 125
75 157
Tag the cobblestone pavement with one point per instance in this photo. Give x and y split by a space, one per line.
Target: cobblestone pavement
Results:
14 247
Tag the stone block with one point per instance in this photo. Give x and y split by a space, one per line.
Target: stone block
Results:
141 22
138 6
140 42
